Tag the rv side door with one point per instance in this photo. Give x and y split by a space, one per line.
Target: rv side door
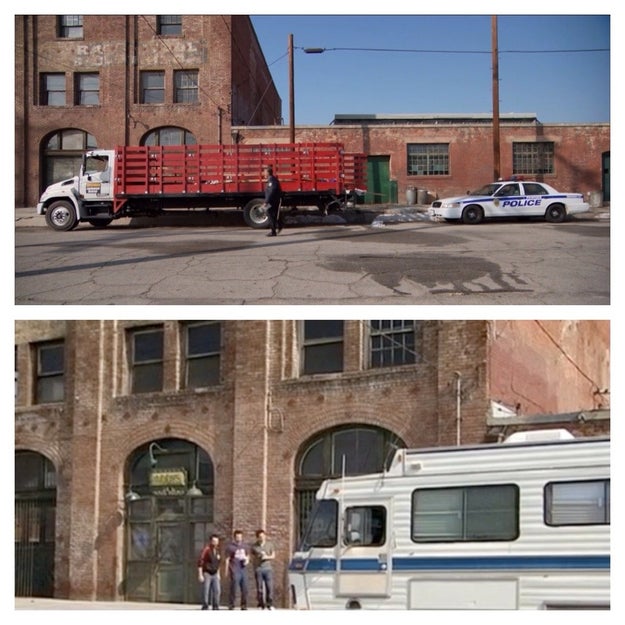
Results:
364 562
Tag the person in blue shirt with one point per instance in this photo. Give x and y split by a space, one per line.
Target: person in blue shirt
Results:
237 557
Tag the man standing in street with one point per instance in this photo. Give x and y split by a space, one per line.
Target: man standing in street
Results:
208 573
238 557
273 196
263 553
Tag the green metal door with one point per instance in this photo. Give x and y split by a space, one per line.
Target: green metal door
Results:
605 176
164 538
171 547
140 550
378 180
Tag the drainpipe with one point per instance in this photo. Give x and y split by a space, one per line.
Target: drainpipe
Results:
458 399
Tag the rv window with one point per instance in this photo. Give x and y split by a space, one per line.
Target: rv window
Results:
463 514
577 503
365 526
321 530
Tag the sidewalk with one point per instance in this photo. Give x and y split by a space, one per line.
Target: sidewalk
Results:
44 603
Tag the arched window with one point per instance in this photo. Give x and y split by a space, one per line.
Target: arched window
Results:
170 454
352 450
62 154
169 135
35 514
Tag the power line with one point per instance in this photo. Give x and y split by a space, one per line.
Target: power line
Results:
176 59
561 349
426 51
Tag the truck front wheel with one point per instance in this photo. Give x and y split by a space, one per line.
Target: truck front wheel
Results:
255 214
61 215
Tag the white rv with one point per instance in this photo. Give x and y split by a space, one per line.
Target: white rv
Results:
523 524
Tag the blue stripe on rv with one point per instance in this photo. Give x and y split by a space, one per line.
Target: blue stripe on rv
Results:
456 563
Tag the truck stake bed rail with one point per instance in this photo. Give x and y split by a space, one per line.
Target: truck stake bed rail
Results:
150 180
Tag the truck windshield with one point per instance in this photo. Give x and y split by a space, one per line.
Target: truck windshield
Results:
95 164
321 530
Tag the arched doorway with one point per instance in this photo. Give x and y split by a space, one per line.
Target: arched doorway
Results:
169 499
61 154
346 450
35 514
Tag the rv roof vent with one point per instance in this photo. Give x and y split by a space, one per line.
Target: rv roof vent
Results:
537 436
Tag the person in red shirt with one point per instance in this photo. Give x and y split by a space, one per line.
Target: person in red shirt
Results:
208 573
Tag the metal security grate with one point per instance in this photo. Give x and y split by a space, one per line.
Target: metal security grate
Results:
34 547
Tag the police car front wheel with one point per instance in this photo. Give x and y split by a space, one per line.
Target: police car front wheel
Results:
472 215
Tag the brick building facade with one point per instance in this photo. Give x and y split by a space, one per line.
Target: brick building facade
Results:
104 80
447 155
100 81
119 423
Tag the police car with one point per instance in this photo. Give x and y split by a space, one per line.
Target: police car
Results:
510 198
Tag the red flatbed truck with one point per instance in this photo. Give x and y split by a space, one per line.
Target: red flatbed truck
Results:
131 181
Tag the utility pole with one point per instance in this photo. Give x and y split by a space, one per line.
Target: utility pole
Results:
291 93
496 147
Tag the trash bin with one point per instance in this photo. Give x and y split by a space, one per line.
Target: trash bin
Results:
595 199
411 196
392 189
422 196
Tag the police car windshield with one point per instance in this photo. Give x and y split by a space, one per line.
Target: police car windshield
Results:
487 189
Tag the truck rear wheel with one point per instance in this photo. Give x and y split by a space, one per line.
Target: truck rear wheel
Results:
61 215
99 223
255 214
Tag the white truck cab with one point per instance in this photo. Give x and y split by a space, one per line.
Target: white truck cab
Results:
81 198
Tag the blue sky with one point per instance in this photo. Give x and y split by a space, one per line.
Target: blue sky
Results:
556 86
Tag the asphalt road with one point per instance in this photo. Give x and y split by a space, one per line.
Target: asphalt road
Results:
400 258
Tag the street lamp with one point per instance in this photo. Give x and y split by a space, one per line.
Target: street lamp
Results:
195 491
154 445
131 495
292 84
